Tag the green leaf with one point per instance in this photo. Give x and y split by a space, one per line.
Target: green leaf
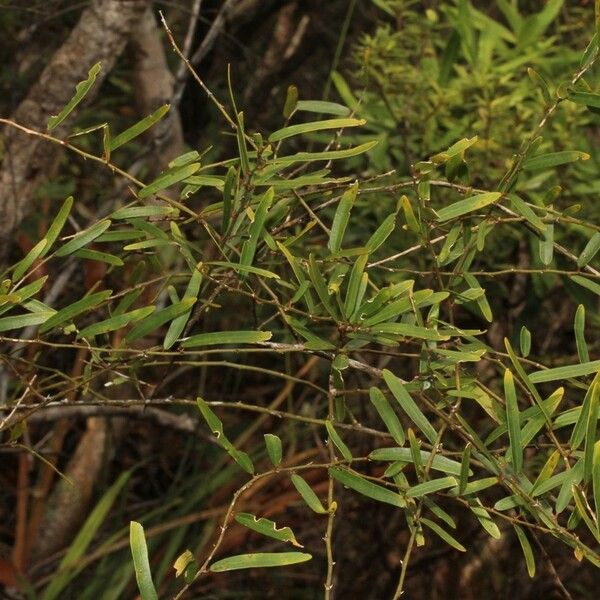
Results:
70 564
320 285
464 469
513 422
527 551
566 372
84 237
341 218
229 192
268 528
71 311
216 426
484 518
183 563
301 128
291 101
387 414
136 212
139 128
116 322
178 324
309 497
19 321
241 141
365 487
226 337
337 441
553 159
596 477
245 269
81 89
325 155
273 444
546 244
409 406
382 233
463 207
527 213
23 265
353 298
579 328
256 228
184 159
139 551
259 560
444 535
157 319
525 341
170 177
88 254
322 107
432 486
405 330
586 283
590 435
590 250
585 98
58 223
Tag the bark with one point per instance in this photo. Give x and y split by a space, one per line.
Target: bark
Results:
154 87
99 36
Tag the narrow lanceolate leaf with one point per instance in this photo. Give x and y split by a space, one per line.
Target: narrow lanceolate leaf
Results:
512 420
229 191
19 321
590 250
484 518
136 212
382 233
81 89
178 324
84 238
463 207
268 528
325 155
387 414
156 320
291 100
322 107
226 337
259 560
139 128
256 228
590 435
579 328
320 285
554 159
354 285
184 159
216 426
585 98
438 463
366 487
171 177
596 478
274 450
116 322
23 265
566 372
464 469
546 244
58 223
409 406
77 308
311 499
404 330
337 441
525 341
341 218
88 254
430 487
139 551
527 551
444 535
301 128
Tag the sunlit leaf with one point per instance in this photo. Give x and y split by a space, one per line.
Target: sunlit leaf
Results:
141 563
259 560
